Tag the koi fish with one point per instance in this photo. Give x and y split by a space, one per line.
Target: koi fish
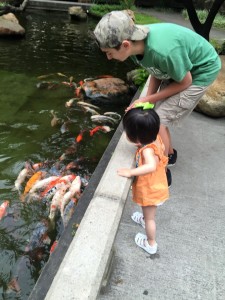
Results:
59 180
55 121
36 177
74 189
27 171
64 128
50 193
14 285
90 110
103 119
3 208
61 74
77 91
70 102
82 103
54 245
56 201
113 115
37 166
47 85
45 76
42 183
79 137
39 236
68 211
73 165
96 129
50 186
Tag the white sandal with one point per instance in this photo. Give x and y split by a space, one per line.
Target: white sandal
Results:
138 218
142 241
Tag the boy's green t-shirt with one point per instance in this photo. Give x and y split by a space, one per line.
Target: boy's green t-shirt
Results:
172 50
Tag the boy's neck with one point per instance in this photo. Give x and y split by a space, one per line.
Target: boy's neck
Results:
138 48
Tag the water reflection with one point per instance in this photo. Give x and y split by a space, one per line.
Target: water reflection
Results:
52 44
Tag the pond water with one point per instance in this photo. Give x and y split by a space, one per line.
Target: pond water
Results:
53 44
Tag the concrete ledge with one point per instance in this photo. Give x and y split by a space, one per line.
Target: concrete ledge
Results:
55 5
84 266
82 270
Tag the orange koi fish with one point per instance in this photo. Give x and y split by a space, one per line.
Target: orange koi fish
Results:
50 186
38 175
79 137
65 179
97 128
37 166
77 91
3 208
54 245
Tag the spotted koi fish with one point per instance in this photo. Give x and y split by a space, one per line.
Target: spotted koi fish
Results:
36 177
3 208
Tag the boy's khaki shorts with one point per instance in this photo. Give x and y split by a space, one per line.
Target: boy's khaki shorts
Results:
175 108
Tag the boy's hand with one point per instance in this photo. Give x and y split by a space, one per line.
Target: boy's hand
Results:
132 105
124 173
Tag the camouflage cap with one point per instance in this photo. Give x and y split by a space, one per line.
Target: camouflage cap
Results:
117 26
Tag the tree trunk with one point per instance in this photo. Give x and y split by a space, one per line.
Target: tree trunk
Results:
9 8
202 29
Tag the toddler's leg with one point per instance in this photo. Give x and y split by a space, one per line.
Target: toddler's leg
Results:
165 136
150 226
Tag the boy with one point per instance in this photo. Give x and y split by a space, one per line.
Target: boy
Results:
182 65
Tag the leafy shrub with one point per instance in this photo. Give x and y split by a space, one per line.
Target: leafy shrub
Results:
219 47
138 76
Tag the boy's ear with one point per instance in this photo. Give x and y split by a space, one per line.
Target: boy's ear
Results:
126 43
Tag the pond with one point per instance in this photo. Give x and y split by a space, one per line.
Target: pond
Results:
53 45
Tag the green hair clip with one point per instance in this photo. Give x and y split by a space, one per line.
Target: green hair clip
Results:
144 105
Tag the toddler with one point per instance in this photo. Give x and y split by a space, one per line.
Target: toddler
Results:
150 187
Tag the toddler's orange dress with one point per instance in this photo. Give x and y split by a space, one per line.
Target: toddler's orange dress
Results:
152 188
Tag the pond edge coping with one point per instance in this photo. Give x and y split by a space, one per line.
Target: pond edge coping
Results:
79 266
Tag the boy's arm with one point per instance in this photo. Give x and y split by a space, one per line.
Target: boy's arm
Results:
148 167
154 84
172 89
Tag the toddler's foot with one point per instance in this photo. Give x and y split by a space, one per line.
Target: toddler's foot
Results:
142 242
138 218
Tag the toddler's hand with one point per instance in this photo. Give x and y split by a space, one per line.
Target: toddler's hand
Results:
124 173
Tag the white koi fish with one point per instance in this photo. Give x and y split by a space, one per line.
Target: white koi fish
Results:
24 173
42 183
74 189
56 200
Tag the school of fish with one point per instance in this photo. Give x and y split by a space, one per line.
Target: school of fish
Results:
54 184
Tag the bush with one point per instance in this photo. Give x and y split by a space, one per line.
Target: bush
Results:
219 47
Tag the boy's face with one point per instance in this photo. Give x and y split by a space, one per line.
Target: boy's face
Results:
122 54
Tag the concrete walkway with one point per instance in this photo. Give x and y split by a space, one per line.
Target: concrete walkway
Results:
190 226
177 18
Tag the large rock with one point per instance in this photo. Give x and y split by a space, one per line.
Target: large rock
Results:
9 25
213 102
107 91
77 13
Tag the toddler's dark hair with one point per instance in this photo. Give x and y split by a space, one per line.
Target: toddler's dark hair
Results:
141 125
